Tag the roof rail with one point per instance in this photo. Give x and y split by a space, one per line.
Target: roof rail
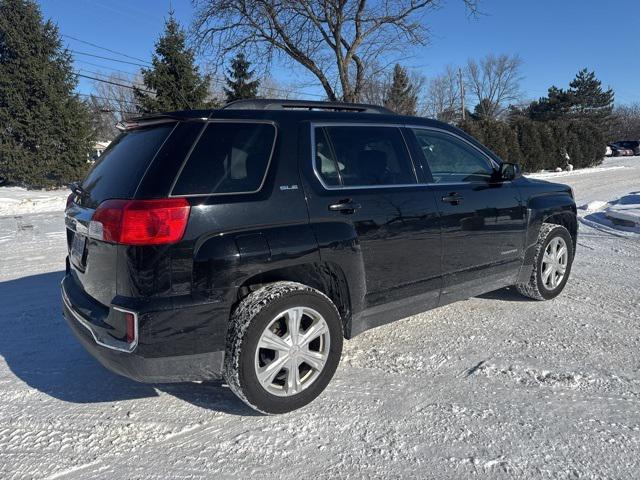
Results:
277 104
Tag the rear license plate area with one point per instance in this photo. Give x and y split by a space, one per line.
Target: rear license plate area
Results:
77 249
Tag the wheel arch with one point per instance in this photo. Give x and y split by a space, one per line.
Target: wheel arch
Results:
568 220
552 207
326 277
555 207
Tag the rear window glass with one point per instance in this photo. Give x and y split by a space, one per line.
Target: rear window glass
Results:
230 157
118 171
362 156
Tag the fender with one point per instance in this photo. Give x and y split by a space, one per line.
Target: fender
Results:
224 262
557 207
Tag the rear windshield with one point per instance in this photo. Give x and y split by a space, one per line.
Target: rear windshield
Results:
118 171
230 157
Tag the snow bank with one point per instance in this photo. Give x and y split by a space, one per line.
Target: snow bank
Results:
20 201
627 215
581 171
621 215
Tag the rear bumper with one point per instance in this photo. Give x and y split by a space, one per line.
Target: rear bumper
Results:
132 364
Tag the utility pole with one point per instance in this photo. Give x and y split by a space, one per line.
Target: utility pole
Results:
464 112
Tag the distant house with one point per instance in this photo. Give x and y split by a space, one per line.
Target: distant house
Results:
96 151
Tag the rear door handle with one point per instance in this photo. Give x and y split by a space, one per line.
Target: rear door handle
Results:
345 206
453 198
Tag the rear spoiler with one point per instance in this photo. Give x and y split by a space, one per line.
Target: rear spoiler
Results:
148 121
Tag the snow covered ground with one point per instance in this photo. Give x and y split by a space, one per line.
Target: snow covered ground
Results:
494 387
20 201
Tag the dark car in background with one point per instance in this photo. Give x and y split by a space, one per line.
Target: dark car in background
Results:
247 242
625 148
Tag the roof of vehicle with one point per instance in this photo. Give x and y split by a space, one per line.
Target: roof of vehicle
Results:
300 110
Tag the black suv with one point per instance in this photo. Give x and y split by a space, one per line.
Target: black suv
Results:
249 241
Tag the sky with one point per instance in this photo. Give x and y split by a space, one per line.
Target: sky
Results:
555 39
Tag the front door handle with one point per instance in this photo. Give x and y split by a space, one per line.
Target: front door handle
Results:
345 206
453 198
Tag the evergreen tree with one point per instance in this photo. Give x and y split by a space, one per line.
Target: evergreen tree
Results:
485 109
584 100
239 80
45 129
531 145
472 127
401 96
551 156
514 151
589 100
556 105
495 138
174 77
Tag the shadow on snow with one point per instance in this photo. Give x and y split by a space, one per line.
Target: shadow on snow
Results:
39 348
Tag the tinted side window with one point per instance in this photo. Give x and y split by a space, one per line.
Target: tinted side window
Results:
228 158
118 171
326 164
450 159
363 156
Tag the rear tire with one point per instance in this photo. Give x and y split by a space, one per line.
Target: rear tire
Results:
551 264
283 347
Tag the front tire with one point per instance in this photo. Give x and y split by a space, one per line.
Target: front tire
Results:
551 264
283 347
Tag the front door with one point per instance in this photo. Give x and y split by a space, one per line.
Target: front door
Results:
482 217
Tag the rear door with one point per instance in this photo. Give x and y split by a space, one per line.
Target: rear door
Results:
364 198
483 219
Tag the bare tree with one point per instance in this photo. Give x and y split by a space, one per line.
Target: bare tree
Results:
271 88
116 94
443 100
625 124
112 101
494 82
377 85
335 40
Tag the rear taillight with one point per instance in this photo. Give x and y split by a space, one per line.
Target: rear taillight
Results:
140 222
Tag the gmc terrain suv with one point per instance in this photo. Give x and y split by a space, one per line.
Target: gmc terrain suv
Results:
247 242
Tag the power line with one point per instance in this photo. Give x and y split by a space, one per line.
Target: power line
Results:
109 99
213 79
112 83
110 79
84 62
182 97
107 49
108 58
127 12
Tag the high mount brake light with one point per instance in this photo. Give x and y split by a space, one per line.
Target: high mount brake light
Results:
140 222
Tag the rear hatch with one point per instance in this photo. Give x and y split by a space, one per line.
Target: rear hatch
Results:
116 174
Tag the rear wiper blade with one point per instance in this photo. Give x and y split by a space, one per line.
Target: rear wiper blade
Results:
76 188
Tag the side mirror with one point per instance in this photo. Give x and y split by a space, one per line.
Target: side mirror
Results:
510 171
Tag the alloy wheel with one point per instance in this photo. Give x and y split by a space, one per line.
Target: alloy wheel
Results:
292 351
554 263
